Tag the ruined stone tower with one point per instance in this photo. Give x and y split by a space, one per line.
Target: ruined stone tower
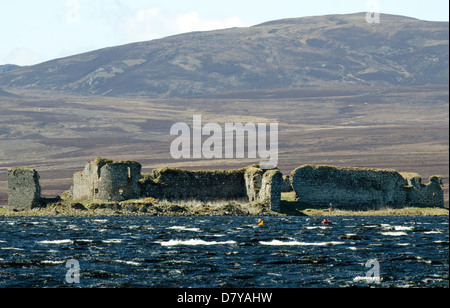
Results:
24 190
107 180
271 187
419 194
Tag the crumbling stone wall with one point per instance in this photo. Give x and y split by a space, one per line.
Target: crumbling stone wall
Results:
205 185
250 184
24 190
85 183
430 194
287 187
271 187
348 187
253 176
119 181
107 180
321 185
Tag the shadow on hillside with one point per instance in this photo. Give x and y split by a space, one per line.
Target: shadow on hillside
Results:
291 206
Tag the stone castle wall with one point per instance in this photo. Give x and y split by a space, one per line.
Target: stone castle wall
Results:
419 194
207 185
24 190
250 184
271 187
322 185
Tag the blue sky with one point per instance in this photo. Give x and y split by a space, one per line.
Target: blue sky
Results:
35 31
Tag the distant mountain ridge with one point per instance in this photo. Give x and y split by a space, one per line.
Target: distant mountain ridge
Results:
8 67
332 50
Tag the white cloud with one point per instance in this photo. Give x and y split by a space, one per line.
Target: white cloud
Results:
193 22
73 12
151 23
144 15
143 24
23 56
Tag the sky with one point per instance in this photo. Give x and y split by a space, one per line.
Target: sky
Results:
32 32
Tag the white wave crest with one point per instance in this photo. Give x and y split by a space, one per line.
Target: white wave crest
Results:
100 220
296 243
367 279
53 262
57 242
128 262
316 227
194 242
182 228
403 228
403 244
394 233
113 241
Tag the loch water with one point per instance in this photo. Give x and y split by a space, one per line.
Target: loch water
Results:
224 252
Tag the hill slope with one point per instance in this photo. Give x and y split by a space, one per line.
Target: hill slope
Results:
6 94
331 50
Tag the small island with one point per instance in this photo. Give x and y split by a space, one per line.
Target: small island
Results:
118 188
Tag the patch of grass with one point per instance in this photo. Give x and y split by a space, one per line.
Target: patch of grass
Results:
291 206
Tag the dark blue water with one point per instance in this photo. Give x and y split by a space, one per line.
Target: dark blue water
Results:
224 251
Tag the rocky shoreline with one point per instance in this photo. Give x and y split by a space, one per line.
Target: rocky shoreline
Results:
146 207
151 207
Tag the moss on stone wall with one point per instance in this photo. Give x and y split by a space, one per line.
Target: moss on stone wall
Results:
179 184
24 190
346 187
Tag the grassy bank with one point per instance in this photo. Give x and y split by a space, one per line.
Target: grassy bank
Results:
290 206
147 207
150 207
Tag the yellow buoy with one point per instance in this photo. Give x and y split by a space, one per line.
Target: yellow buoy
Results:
261 222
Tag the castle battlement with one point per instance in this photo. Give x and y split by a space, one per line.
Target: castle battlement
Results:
107 180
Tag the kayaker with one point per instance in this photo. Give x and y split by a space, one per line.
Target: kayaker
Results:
326 221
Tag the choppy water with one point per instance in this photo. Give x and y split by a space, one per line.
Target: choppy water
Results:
224 251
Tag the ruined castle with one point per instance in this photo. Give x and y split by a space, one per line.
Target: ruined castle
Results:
104 180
